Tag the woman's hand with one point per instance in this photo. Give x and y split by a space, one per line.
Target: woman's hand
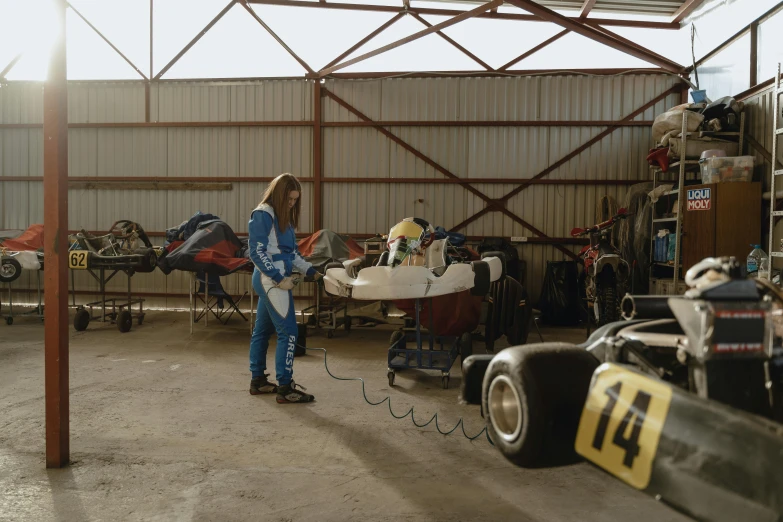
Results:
287 283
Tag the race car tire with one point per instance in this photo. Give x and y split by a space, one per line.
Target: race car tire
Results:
465 346
149 260
10 270
533 397
124 321
481 280
502 257
81 320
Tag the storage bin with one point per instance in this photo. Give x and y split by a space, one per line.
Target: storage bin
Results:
723 170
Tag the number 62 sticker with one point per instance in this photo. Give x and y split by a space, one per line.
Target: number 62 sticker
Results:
622 421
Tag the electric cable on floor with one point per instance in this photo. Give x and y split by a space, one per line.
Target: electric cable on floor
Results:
409 412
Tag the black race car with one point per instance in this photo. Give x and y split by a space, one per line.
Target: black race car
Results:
683 400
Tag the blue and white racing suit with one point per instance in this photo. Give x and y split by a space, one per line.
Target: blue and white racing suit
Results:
275 256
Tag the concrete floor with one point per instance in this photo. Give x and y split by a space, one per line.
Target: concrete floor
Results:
163 428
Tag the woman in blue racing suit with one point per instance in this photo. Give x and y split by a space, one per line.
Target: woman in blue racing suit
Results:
272 247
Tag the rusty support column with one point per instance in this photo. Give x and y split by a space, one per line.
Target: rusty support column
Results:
317 156
55 129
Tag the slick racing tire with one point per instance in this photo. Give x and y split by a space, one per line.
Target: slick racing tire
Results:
533 397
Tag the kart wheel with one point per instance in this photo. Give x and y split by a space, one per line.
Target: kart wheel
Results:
445 382
301 340
140 319
124 321
10 270
532 415
329 334
347 324
397 340
481 282
9 321
390 375
465 346
81 320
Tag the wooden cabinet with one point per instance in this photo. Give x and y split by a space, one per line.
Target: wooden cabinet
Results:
722 219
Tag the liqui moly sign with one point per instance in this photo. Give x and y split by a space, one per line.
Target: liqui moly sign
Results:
699 199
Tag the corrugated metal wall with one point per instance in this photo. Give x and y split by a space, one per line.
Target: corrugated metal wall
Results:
359 208
485 152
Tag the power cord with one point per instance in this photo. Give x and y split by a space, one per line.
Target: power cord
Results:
460 423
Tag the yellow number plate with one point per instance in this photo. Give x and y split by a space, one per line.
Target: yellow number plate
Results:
77 259
622 421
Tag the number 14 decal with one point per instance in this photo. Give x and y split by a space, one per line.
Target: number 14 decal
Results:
631 409
638 410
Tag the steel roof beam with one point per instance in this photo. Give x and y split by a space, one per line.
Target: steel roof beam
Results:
586 8
535 49
603 36
107 41
196 39
367 38
685 9
453 12
279 40
10 65
454 43
432 29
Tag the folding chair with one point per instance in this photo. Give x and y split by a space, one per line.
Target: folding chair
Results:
213 296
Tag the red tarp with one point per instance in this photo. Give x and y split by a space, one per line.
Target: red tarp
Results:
325 244
31 239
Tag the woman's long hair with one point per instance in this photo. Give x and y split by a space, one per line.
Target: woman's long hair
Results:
276 195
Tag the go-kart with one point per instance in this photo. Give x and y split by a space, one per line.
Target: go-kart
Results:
125 247
12 263
416 265
683 400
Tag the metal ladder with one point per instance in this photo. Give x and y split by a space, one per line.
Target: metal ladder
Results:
776 133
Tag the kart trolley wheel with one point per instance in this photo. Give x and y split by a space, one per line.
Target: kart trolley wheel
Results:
10 270
81 320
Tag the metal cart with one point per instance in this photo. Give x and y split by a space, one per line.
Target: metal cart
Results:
440 355
326 315
37 311
120 309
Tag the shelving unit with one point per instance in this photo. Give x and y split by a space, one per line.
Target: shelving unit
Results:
665 278
774 252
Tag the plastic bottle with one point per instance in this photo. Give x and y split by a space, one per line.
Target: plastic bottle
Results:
757 261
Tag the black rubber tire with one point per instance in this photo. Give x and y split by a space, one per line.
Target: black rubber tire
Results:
329 334
481 282
445 382
348 323
9 321
10 270
301 340
551 381
395 338
81 320
606 300
390 376
140 319
124 321
502 257
149 260
465 346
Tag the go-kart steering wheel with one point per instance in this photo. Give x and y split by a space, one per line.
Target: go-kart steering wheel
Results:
431 231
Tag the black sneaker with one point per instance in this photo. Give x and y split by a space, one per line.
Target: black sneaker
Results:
259 385
290 393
